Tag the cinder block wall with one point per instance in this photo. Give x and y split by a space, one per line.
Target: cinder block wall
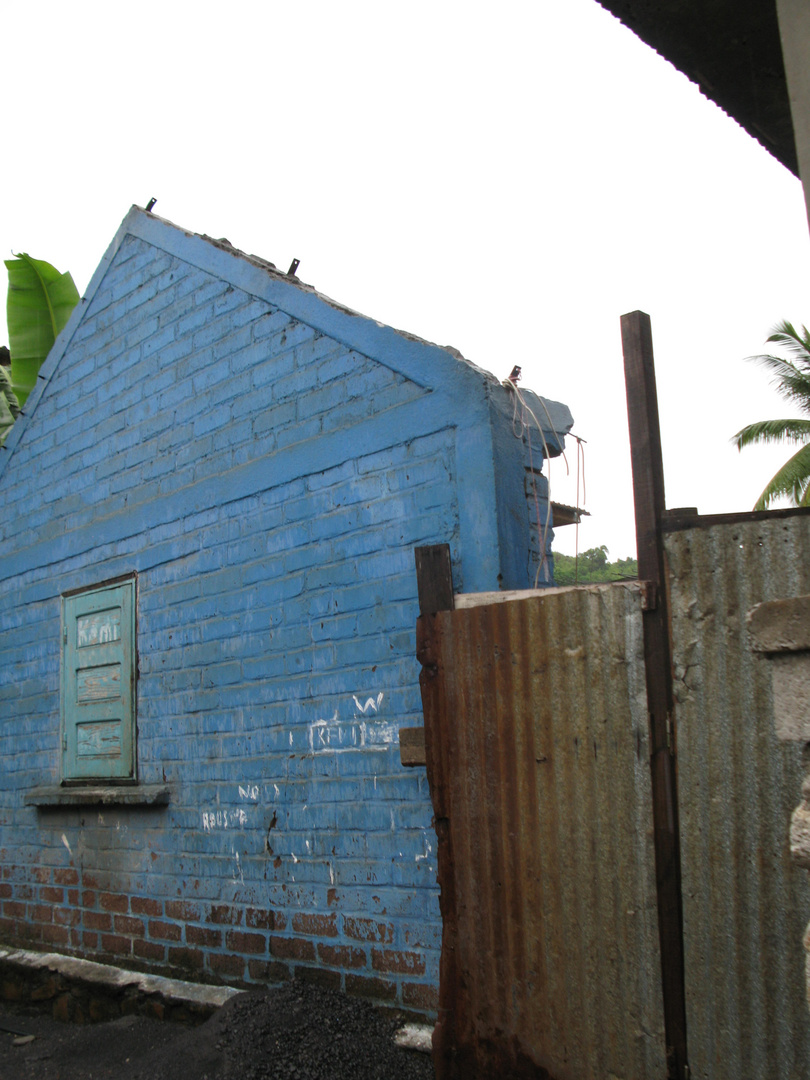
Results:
268 484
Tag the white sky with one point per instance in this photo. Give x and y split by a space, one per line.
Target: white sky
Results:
508 181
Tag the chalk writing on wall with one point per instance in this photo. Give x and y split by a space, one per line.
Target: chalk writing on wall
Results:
223 819
333 735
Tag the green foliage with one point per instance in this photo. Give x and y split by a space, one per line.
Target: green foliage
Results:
592 567
791 378
40 301
9 406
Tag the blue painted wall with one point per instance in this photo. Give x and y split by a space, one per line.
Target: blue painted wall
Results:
265 461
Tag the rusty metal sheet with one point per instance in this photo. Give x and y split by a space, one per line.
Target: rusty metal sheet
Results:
538 760
745 905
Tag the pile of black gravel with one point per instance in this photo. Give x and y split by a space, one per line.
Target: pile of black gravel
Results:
301 1032
294 1032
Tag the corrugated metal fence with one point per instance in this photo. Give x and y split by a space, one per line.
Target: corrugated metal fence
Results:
745 905
537 742
537 749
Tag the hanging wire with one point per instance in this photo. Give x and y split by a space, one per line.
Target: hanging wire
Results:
521 425
580 454
518 430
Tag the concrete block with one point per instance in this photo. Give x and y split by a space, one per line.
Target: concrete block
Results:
348 413
800 833
273 418
206 288
250 312
780 625
141 330
398 393
228 301
193 320
233 343
211 420
791 696
781 629
315 402
273 321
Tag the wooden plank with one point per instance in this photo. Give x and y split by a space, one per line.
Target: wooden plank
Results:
465 601
434 578
648 495
412 746
484 599
676 521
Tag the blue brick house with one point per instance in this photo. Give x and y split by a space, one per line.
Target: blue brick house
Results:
207 610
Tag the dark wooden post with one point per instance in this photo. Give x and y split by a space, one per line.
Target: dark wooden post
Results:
434 578
434 581
648 495
434 585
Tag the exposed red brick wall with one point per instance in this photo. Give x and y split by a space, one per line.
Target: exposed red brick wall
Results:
81 914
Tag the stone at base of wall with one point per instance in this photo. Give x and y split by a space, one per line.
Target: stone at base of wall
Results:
415 1037
85 991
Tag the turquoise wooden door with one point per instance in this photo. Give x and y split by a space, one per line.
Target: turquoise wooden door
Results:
98 684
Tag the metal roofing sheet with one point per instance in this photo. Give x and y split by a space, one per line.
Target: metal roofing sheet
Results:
536 729
745 904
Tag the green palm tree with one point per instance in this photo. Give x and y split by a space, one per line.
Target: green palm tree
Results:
791 378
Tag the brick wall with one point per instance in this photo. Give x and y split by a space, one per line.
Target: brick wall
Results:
67 909
267 482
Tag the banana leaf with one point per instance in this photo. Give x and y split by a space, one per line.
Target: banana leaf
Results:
9 406
40 301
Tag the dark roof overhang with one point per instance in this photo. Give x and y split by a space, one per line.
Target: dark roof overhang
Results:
732 50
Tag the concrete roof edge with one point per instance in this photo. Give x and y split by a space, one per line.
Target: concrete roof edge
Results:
435 367
414 357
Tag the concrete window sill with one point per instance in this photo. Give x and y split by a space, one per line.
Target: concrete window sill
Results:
107 795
